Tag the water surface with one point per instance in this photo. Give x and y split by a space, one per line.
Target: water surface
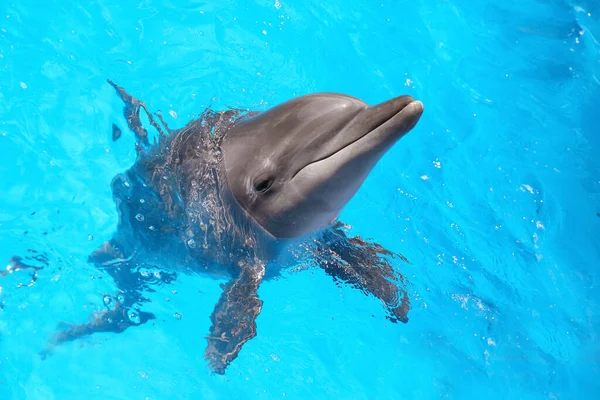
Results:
494 197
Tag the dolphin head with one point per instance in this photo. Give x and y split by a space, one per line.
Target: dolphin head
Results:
295 166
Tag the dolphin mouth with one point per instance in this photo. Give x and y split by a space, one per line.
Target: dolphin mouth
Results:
399 115
380 124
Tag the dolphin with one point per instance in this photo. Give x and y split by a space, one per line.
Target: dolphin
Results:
236 193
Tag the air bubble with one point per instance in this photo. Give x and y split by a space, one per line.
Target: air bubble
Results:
108 301
178 315
120 298
139 217
191 243
142 201
134 316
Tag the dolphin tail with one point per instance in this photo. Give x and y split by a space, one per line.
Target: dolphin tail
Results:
365 266
234 317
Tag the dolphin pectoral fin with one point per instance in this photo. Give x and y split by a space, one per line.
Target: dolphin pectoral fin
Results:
18 263
115 320
122 310
234 317
107 253
365 265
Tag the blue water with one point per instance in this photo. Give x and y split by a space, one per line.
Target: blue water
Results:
494 197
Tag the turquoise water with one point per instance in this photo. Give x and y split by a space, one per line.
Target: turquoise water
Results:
494 197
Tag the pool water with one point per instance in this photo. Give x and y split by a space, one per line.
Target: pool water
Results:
494 197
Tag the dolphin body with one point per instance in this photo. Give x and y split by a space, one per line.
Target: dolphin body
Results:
232 192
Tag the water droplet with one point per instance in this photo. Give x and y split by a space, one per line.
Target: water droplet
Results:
191 243
178 315
174 291
90 237
23 85
152 228
539 225
126 183
108 301
139 217
134 316
173 114
120 298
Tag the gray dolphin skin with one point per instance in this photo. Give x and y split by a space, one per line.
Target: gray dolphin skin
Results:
294 167
243 196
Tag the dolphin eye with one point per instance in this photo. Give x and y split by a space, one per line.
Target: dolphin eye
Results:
263 185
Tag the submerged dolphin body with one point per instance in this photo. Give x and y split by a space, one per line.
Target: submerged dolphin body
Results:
232 192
